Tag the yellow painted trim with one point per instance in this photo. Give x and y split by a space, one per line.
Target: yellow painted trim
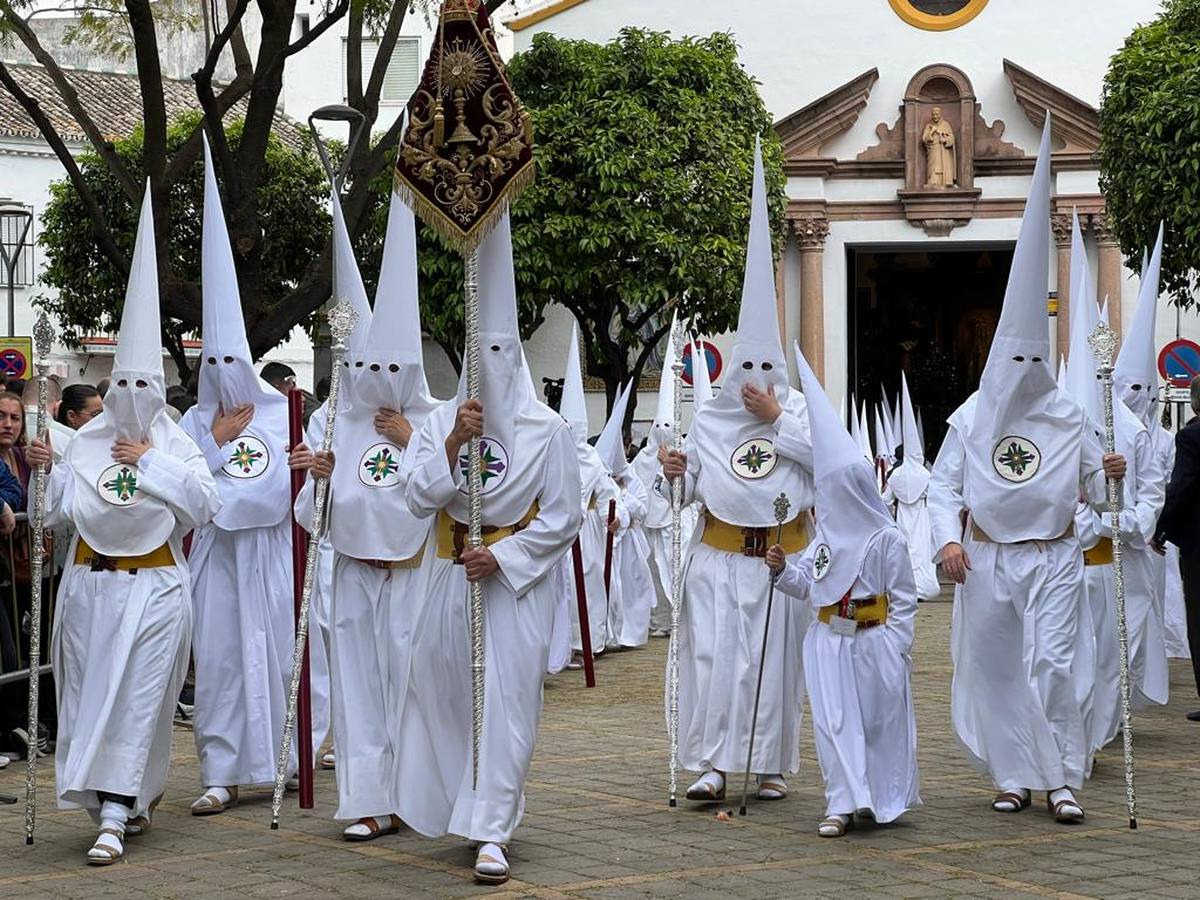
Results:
520 23
913 16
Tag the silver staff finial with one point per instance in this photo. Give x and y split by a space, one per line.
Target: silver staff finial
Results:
342 319
782 505
1103 341
43 336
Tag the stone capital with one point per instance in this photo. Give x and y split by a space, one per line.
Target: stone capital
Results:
1060 224
810 231
1103 230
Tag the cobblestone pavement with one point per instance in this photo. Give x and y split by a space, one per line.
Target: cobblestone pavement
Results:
598 824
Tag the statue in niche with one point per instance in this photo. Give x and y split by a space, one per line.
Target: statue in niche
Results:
941 169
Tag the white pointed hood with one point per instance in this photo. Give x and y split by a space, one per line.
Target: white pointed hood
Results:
254 480
1022 436
701 384
849 510
741 470
890 425
369 518
610 446
574 409
855 423
348 283
882 439
864 432
109 511
662 429
910 479
1080 378
1135 378
517 426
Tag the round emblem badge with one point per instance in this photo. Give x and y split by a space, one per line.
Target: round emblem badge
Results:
118 485
245 457
1016 459
822 561
380 465
493 464
754 459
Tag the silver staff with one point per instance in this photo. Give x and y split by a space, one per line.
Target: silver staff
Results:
1103 341
676 563
43 339
342 319
782 505
475 508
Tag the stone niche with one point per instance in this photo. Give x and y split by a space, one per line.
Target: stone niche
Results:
939 208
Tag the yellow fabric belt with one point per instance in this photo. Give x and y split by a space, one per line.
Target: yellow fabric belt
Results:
413 562
868 612
452 535
155 559
753 541
982 537
1100 555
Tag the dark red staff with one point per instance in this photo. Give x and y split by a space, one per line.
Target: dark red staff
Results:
585 629
304 748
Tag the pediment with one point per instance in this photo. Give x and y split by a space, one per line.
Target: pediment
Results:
1074 124
804 132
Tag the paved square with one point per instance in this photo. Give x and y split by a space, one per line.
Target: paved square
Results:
598 825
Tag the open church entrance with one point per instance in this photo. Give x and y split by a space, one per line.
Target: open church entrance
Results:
931 313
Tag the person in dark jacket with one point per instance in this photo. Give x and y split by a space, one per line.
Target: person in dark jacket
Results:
1179 523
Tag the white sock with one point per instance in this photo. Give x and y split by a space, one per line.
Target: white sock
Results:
1063 794
222 794
492 868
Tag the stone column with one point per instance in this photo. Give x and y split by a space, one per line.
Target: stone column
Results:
811 233
781 286
1108 278
1060 224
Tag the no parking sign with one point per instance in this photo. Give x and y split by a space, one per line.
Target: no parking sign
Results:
16 354
1179 362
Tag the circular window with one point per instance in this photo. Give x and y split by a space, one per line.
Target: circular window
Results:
937 15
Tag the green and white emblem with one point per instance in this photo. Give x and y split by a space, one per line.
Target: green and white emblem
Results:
493 464
245 457
754 459
1016 459
822 561
118 485
380 465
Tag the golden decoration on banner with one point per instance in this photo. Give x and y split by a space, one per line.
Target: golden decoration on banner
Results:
467 152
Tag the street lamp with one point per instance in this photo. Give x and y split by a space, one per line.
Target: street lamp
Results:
333 113
12 217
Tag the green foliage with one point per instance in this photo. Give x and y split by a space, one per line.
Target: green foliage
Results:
642 201
91 291
1150 142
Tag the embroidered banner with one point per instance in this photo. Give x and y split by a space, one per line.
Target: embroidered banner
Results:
467 151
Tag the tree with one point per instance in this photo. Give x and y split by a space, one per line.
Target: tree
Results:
292 201
1150 143
271 307
645 149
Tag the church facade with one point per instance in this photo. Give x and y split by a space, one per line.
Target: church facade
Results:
909 128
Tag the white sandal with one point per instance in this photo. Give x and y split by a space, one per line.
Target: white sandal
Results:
491 864
708 788
835 826
139 825
108 849
772 787
215 800
328 760
370 827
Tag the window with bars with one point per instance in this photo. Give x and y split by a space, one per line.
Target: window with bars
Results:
11 228
403 71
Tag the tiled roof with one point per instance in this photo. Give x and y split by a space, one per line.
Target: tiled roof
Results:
114 101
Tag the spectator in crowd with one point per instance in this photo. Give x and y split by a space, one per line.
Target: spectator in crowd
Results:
60 436
13 696
14 483
80 404
1179 523
279 376
102 386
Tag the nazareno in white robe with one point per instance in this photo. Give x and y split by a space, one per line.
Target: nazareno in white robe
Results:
859 688
433 777
1014 700
593 538
656 527
120 646
912 517
721 626
631 594
1143 488
243 641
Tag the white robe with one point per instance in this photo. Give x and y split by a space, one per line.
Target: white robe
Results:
1014 700
913 520
859 688
720 642
631 593
242 645
656 527
593 539
1174 609
433 776
120 646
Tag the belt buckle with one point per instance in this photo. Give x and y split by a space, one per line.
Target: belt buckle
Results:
754 542
101 563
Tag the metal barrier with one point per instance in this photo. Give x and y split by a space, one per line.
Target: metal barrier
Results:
20 623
